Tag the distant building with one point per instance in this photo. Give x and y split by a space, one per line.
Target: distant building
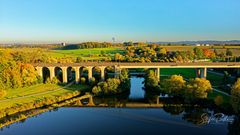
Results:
202 44
198 44
63 44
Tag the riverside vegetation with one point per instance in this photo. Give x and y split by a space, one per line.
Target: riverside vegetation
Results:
17 72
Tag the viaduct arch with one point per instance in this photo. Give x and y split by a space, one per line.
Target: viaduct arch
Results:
75 70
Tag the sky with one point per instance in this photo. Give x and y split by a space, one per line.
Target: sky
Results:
72 21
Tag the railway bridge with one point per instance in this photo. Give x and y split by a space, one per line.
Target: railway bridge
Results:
66 68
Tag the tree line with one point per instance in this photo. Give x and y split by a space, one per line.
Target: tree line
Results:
15 72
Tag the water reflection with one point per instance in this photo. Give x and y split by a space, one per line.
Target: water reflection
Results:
143 111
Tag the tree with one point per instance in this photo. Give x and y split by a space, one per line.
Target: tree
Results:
96 90
83 80
118 57
55 80
2 93
235 98
174 85
2 89
198 52
151 81
229 52
236 88
111 86
162 52
198 88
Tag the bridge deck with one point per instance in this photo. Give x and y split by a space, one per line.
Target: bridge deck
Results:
146 65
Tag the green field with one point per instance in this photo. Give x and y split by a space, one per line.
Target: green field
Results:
84 52
234 49
32 93
188 73
212 95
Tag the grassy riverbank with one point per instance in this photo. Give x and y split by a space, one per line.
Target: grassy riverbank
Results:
215 79
37 92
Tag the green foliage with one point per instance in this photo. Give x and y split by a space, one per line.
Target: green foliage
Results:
93 81
97 90
198 53
198 88
113 85
151 81
174 85
235 98
2 93
55 80
124 78
87 45
229 52
236 88
15 73
83 80
48 81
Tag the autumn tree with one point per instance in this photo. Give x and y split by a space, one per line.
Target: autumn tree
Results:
198 88
151 81
198 52
235 98
174 85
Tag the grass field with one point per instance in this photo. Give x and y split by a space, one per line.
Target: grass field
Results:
188 73
84 52
212 95
17 96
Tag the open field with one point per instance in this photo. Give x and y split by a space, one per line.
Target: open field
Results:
84 52
212 95
32 93
234 49
215 79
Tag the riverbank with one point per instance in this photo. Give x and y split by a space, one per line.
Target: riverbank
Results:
38 96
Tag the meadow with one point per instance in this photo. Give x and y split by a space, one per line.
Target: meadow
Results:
85 52
37 92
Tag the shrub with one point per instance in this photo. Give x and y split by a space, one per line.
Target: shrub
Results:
218 100
97 90
83 80
55 80
198 88
174 85
236 88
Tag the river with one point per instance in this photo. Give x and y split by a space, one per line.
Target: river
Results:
73 120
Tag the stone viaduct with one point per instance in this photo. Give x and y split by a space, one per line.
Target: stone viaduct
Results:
201 68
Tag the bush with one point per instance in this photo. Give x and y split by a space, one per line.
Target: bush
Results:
55 80
218 100
111 86
151 81
48 81
97 90
174 85
93 81
236 88
198 88
83 80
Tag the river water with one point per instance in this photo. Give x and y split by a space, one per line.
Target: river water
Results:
74 120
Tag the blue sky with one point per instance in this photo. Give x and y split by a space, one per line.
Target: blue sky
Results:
45 21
